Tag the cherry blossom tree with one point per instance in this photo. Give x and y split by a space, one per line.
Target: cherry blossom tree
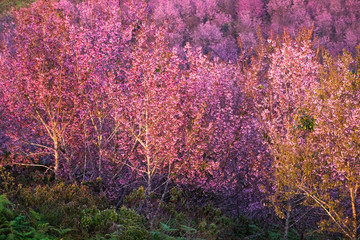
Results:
100 41
308 112
202 23
148 107
333 183
61 73
282 101
38 83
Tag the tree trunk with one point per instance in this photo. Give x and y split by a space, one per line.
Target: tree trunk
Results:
287 220
56 156
353 193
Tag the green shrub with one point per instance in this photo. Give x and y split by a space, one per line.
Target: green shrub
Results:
122 224
8 184
60 205
135 199
167 233
14 227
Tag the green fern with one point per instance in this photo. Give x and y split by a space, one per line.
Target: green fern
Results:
45 228
188 230
166 228
5 212
17 229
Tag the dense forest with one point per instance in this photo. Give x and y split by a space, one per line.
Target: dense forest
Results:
191 119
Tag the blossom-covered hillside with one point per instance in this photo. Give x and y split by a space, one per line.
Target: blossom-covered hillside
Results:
180 119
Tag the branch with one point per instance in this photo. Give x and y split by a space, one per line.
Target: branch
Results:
38 145
34 165
323 206
132 167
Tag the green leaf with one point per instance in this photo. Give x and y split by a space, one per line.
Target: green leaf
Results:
167 228
188 230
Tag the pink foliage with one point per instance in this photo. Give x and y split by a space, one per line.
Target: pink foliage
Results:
109 90
254 8
38 95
